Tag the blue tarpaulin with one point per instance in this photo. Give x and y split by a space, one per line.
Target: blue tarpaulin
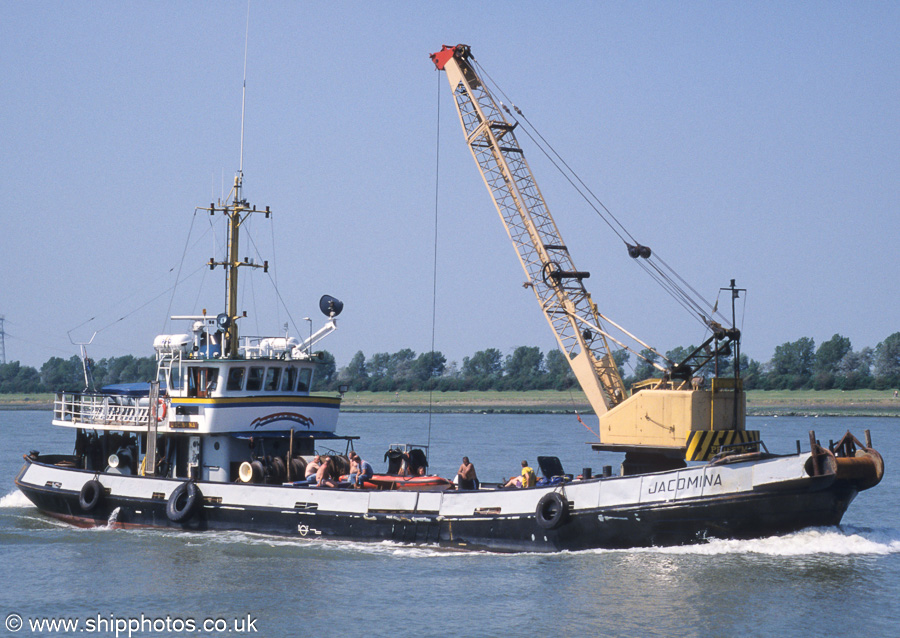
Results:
131 389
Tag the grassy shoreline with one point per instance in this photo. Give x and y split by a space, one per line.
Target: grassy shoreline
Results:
759 402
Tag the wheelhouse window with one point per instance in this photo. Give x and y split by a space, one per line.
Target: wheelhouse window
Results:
202 381
255 379
235 379
272 377
289 379
305 378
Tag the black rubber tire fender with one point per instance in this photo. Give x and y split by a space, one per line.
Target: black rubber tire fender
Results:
552 510
183 502
91 495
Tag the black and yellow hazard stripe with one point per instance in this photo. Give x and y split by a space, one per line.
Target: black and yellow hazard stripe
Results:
703 445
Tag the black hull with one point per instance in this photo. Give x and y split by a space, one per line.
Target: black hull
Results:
746 515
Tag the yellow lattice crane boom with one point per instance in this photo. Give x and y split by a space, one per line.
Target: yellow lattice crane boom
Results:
669 419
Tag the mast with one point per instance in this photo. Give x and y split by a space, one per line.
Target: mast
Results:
231 288
237 212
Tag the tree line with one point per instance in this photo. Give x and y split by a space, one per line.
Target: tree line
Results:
794 365
68 374
57 374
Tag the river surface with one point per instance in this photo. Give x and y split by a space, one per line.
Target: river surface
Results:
827 581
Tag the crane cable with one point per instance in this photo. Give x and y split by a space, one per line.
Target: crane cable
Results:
437 174
180 266
669 283
140 292
272 279
540 144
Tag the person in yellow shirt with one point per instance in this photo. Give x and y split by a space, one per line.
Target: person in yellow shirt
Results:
526 479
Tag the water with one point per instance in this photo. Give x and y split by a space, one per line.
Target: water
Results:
840 581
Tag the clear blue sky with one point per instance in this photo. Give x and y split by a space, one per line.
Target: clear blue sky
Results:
756 140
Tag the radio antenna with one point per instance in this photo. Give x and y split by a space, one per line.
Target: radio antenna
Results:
244 90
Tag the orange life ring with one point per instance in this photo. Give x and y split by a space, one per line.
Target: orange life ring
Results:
161 410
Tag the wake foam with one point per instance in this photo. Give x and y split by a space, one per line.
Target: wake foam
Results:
15 499
845 541
261 540
824 541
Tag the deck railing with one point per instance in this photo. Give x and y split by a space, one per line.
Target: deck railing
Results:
100 409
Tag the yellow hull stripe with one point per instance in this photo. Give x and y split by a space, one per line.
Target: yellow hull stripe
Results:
270 400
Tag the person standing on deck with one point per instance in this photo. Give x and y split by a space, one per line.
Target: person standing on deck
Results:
468 480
